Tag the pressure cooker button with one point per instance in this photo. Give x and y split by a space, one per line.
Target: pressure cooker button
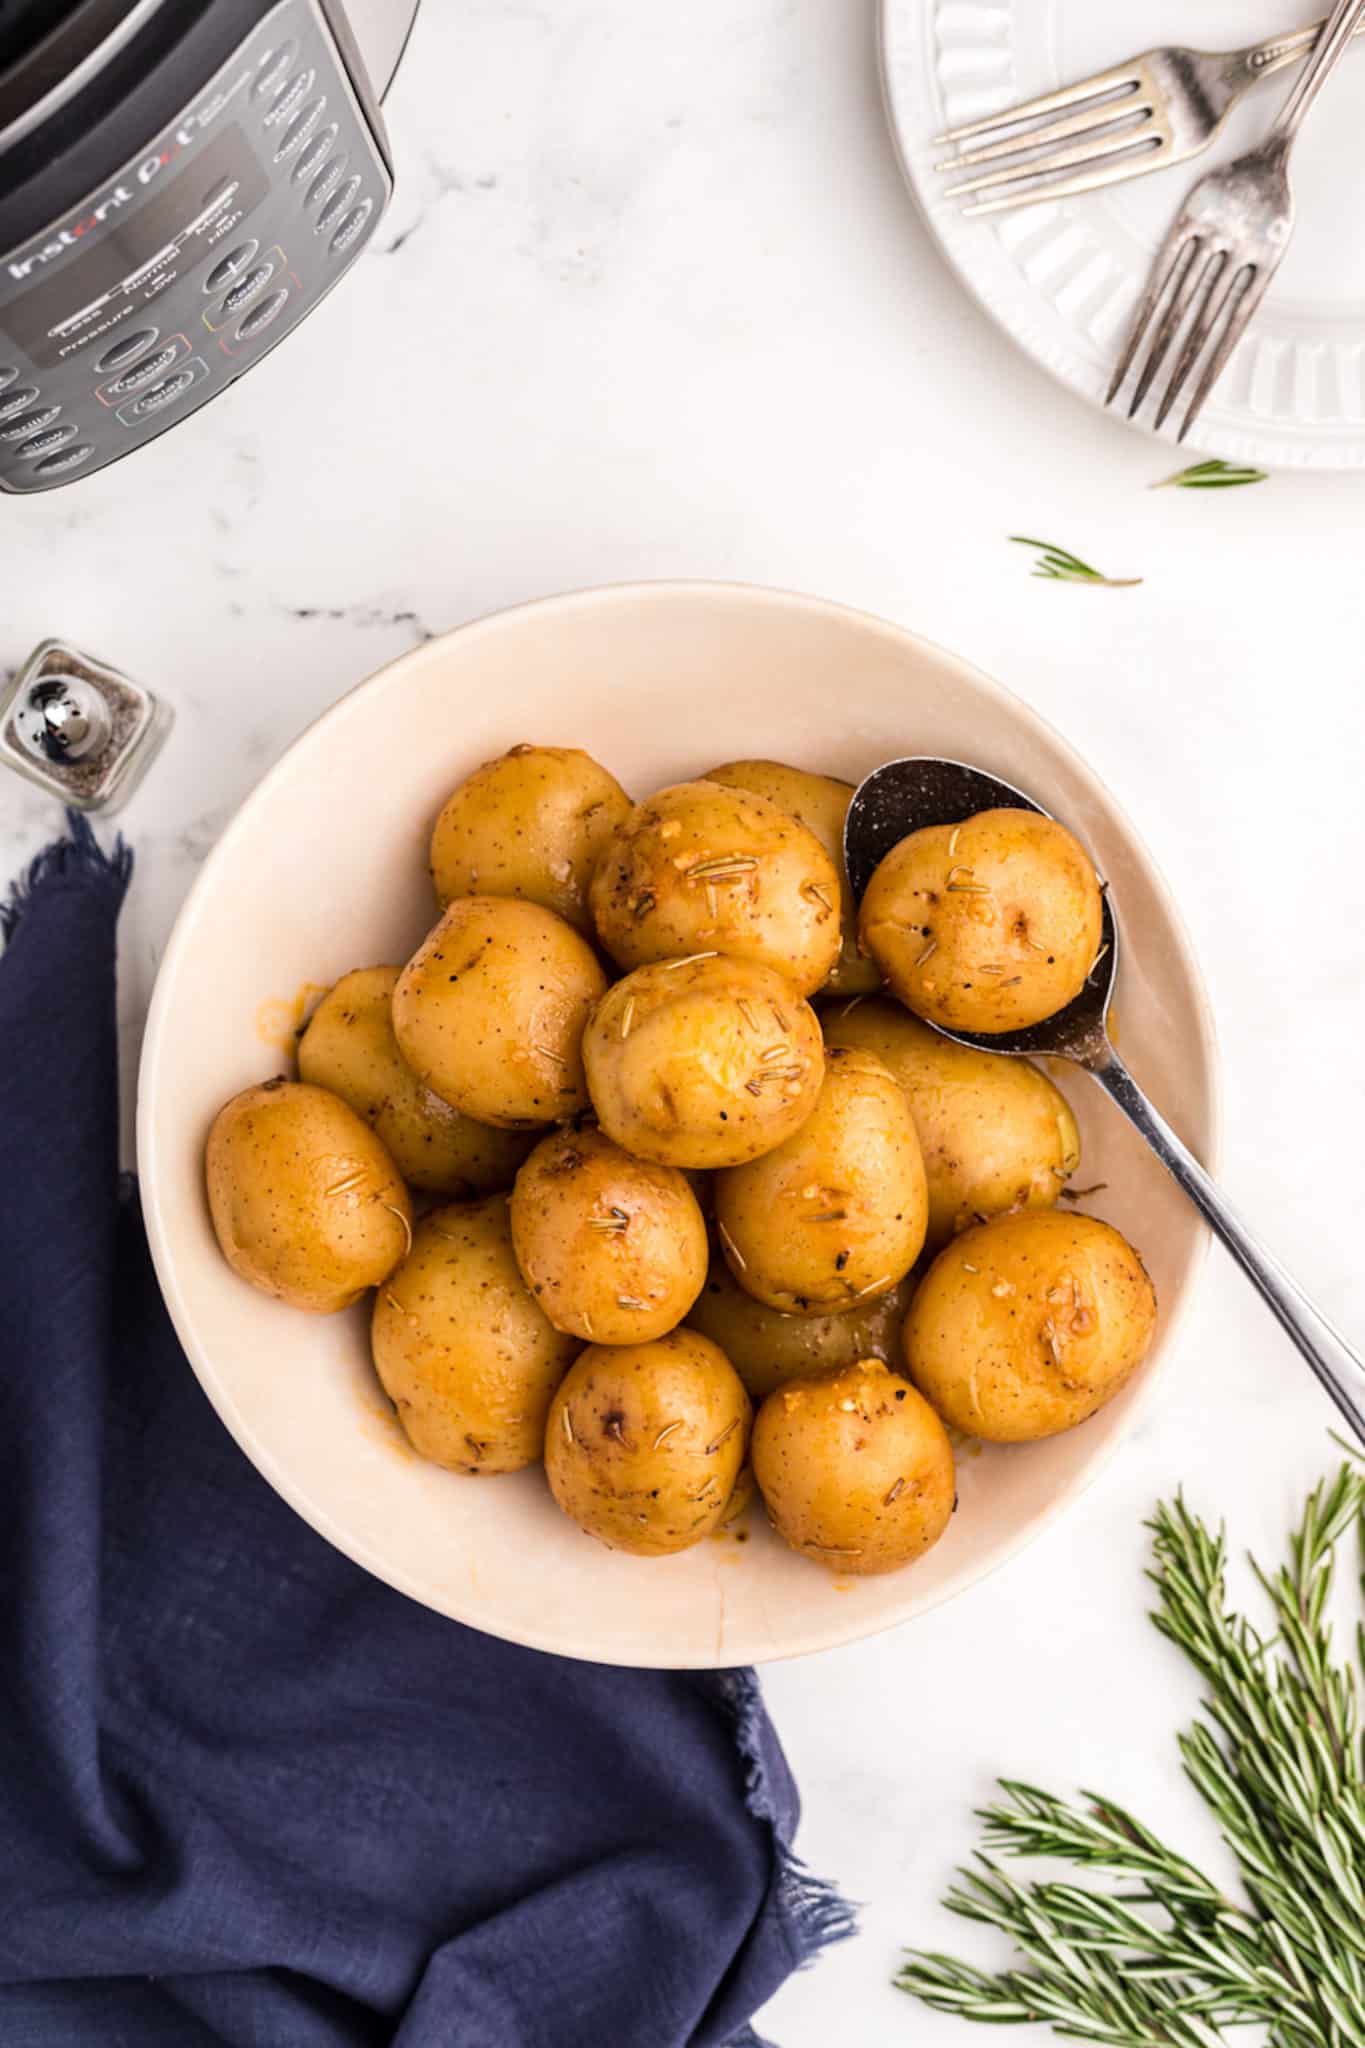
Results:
352 227
143 373
69 458
29 423
262 316
315 156
300 128
336 206
163 394
296 91
17 401
251 287
232 265
44 443
126 349
325 184
272 69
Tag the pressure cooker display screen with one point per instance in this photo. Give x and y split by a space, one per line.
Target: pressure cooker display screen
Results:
153 225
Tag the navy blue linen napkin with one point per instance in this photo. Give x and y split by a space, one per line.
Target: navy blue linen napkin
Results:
248 1794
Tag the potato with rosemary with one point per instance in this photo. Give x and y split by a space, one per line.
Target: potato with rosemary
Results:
703 1062
613 1248
531 824
856 1469
306 1203
990 925
463 1350
490 1010
768 1348
701 868
348 1046
836 1214
645 1443
995 1133
1027 1325
820 803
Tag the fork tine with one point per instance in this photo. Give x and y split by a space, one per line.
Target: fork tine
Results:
1109 171
1243 306
1209 299
1123 76
1182 292
1075 158
1054 131
1174 250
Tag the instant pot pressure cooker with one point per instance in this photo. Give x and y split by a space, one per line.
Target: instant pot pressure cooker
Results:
180 182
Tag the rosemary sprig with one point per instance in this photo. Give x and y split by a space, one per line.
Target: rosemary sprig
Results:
1211 476
1057 566
1169 1961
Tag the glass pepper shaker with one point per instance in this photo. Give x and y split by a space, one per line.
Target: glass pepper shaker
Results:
79 729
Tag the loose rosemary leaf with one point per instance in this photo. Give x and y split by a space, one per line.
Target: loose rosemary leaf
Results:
1170 1961
1056 565
1212 476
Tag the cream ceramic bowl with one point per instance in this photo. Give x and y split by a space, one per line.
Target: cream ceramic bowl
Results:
324 869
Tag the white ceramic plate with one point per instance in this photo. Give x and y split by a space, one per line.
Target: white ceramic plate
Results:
324 869
1063 278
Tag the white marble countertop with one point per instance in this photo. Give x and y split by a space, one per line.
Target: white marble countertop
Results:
652 301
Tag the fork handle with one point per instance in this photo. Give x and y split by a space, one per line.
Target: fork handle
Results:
1329 46
1337 1367
1263 60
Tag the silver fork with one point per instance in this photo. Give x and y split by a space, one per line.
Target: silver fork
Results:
1228 241
1161 108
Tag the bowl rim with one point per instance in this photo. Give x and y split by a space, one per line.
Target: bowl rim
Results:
159 1025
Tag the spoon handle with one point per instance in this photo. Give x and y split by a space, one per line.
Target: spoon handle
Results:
1336 1365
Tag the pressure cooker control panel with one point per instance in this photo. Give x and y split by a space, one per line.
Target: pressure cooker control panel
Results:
185 266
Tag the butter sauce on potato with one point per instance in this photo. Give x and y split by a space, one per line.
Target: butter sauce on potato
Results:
530 824
306 1203
489 1011
613 1248
995 1133
703 868
856 1469
1027 1325
645 1442
990 925
768 1348
349 1047
462 1348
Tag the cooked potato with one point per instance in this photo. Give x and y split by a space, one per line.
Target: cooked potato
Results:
1027 1325
820 804
613 1248
699 867
991 925
995 1134
836 1214
767 1348
306 1202
741 1499
489 1012
702 1062
856 1469
645 1442
530 824
349 1047
465 1352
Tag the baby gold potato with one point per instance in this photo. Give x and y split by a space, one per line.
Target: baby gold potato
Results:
991 925
768 1348
703 1062
645 1442
856 1469
613 1248
703 868
489 1012
463 1350
530 824
837 1213
820 803
995 1133
1027 1325
306 1203
349 1047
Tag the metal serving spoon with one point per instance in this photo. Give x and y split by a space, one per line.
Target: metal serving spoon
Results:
902 796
